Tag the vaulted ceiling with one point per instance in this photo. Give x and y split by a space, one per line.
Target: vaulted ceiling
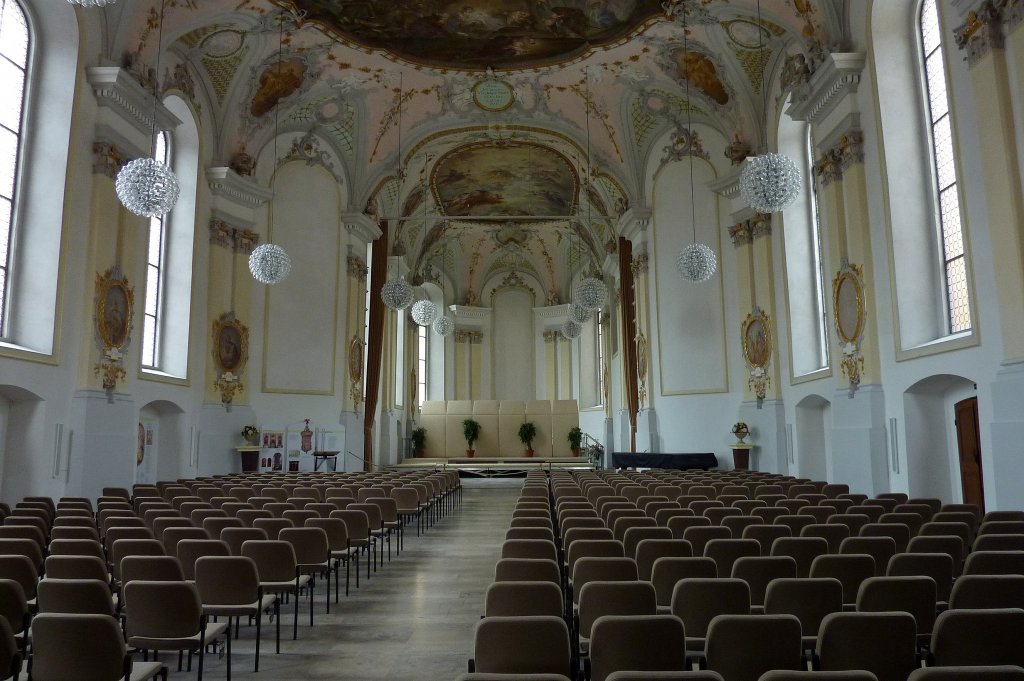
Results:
530 122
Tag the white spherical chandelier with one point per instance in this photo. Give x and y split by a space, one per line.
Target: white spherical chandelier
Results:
269 264
579 314
147 187
443 325
770 182
92 3
571 329
697 262
424 312
592 294
397 294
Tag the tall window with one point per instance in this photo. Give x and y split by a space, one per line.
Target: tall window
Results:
598 321
14 46
954 265
421 365
819 261
154 274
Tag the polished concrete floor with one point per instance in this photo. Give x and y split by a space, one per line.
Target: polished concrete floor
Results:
413 620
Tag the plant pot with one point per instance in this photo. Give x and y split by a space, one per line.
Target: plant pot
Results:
574 452
470 453
528 453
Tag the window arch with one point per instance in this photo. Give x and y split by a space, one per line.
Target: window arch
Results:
945 188
15 43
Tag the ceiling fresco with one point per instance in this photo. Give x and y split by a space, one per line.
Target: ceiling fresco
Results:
477 34
449 116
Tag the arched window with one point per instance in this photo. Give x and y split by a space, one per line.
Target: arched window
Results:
14 51
152 313
945 183
421 365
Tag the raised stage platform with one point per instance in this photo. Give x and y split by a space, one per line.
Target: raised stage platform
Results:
492 467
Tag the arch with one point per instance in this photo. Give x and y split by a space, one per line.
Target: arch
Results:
21 422
165 443
930 444
813 441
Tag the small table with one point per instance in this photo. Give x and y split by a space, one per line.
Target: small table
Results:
250 457
321 457
741 452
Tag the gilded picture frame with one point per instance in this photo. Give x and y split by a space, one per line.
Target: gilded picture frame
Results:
355 360
756 336
230 344
848 303
115 301
493 95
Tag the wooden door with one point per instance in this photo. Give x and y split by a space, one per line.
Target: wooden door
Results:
969 443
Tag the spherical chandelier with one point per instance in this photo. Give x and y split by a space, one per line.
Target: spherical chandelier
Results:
770 182
443 325
269 264
697 262
592 294
578 313
571 329
92 3
397 294
424 312
147 187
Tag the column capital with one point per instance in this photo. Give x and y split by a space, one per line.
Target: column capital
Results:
836 78
121 99
361 227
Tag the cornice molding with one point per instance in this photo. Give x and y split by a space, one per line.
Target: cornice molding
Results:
118 92
836 78
226 184
361 227
727 186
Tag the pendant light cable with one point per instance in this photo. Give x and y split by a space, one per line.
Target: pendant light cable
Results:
689 131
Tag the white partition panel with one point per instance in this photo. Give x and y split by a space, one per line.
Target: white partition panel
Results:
511 414
539 412
486 414
455 443
432 417
565 414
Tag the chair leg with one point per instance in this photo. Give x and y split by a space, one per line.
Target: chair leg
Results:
328 590
227 635
259 627
202 651
277 618
295 622
311 585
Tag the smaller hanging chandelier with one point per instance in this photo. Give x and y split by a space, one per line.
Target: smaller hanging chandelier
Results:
147 187
92 3
770 182
397 294
424 312
592 294
269 264
697 262
571 329
443 325
578 313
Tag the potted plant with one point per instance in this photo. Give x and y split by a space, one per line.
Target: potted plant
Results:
740 430
575 440
251 435
419 441
528 431
470 431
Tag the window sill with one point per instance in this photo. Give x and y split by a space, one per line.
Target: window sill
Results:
157 376
20 352
956 341
815 375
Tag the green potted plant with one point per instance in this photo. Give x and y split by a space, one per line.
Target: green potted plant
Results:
470 431
528 431
575 440
419 441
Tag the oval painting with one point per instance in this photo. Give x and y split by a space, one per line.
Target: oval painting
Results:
116 316
229 348
757 344
849 306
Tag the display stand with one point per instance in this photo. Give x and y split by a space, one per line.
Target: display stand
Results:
741 454
250 457
320 458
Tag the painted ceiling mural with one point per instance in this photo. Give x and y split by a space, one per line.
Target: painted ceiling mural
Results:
490 108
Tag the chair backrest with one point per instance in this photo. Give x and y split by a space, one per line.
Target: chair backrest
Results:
598 599
76 567
764 535
519 599
637 643
74 596
529 548
667 571
63 642
272 526
700 536
915 595
227 580
995 563
234 537
650 550
190 550
978 637
522 645
158 609
808 599
833 533
884 643
850 569
975 673
680 524
725 552
357 522
759 571
151 568
938 566
801 549
634 535
601 569
275 559
983 592
582 548
76 547
14 607
768 642
697 601
311 546
882 549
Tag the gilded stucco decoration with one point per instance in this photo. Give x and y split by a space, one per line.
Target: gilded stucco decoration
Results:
356 352
641 367
107 159
848 304
833 162
113 317
238 239
745 231
230 348
756 338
